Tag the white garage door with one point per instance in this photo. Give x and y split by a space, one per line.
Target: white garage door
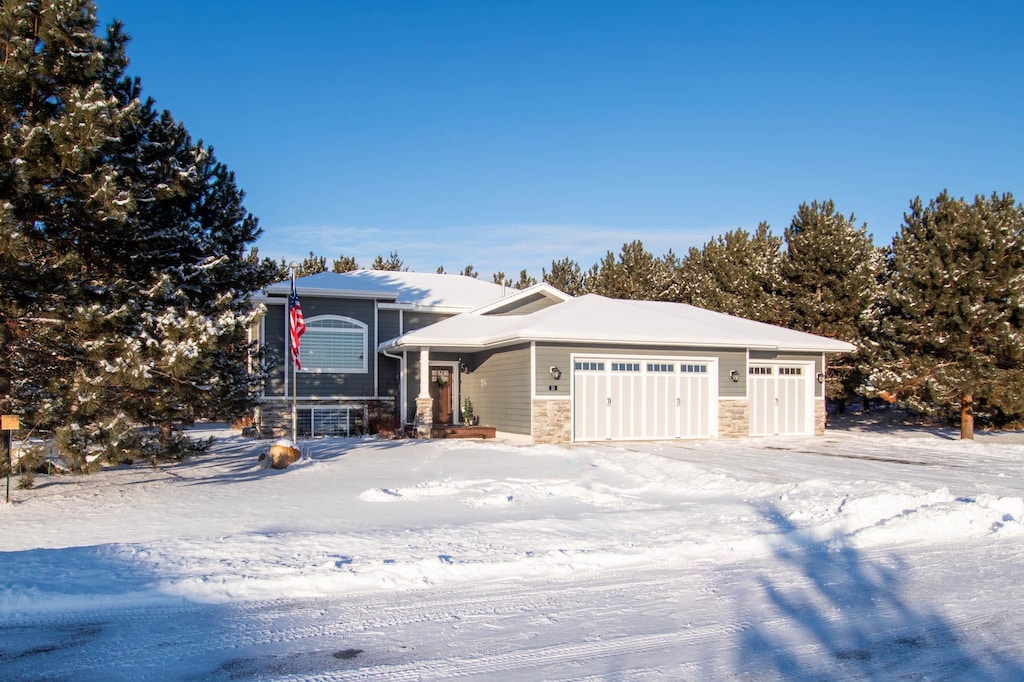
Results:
781 399
644 398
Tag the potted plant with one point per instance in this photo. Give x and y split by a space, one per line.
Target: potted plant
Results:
468 418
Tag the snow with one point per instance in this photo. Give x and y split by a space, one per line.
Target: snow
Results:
858 555
455 293
593 318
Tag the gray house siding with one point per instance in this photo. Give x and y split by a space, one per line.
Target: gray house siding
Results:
817 358
312 384
412 320
389 325
499 386
558 355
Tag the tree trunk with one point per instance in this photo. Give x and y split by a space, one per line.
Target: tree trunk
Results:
967 418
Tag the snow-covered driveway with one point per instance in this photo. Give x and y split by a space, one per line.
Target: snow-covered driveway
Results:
853 556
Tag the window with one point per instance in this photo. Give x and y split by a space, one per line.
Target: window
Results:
333 344
625 366
760 370
791 371
590 366
693 369
660 367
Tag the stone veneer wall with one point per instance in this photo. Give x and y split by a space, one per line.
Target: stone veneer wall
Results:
733 418
551 421
819 417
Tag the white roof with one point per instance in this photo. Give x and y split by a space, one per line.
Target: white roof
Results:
418 289
593 318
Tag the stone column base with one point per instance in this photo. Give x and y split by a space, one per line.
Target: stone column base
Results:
424 416
552 421
733 418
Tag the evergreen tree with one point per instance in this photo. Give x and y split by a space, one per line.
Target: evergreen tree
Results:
440 270
343 264
830 281
737 274
393 263
468 271
566 276
952 316
125 278
525 281
635 274
500 279
310 265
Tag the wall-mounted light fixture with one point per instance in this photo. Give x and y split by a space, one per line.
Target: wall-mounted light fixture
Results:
463 367
556 373
820 376
734 375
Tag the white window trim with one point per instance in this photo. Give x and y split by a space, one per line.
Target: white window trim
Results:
336 370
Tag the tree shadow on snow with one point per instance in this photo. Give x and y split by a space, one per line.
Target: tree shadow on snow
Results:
838 614
246 466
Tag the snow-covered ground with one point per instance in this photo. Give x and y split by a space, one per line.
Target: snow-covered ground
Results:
854 556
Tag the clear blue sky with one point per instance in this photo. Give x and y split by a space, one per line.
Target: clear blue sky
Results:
508 134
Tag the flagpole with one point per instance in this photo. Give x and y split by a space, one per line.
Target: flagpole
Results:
295 375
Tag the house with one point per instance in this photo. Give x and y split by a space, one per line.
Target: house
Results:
544 366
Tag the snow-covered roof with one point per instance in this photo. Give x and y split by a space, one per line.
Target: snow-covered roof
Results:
418 289
593 318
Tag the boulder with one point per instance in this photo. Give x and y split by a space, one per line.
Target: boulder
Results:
282 453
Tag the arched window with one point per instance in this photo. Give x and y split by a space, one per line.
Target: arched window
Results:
333 344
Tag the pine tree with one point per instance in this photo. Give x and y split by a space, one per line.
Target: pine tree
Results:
566 276
830 281
310 265
952 316
737 274
634 274
468 271
343 264
500 279
392 264
125 279
525 281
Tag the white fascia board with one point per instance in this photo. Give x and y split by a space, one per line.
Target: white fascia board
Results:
540 288
418 308
335 293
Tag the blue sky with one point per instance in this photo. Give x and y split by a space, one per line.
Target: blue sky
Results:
508 134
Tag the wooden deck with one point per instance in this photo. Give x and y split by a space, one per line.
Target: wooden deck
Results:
462 432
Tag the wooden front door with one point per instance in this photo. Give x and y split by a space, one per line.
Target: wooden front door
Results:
441 392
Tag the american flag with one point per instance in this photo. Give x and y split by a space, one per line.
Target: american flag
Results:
296 325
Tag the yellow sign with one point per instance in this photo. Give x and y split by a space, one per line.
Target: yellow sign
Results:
9 422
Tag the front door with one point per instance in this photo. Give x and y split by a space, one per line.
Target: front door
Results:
441 392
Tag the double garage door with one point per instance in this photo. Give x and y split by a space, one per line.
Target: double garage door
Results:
644 398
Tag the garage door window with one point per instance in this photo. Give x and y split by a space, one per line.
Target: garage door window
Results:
625 366
590 366
693 369
660 367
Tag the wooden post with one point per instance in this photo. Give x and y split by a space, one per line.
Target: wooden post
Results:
967 418
10 424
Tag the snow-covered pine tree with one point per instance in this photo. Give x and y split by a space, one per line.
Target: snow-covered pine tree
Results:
952 315
830 273
635 274
566 276
343 264
737 274
392 264
127 246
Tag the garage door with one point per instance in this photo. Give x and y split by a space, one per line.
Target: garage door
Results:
781 399
644 398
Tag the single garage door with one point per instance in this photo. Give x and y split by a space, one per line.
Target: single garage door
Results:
781 399
644 398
